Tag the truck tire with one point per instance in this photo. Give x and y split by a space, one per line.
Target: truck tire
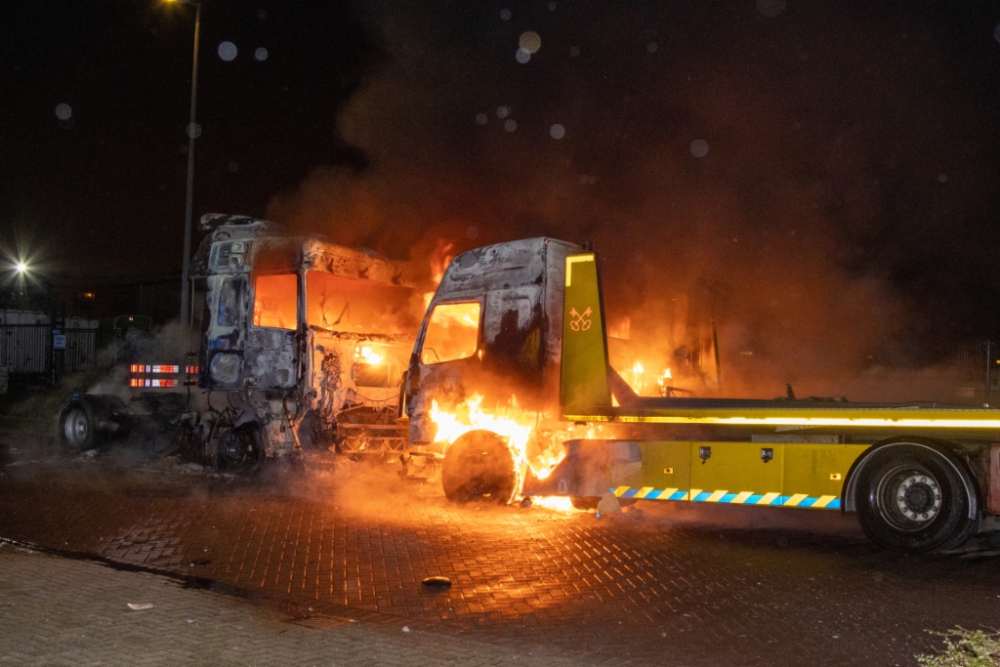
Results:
240 450
88 420
479 466
78 426
912 497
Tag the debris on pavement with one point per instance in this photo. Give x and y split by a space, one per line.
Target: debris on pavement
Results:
140 606
437 582
609 505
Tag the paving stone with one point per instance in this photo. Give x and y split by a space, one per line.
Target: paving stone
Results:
674 587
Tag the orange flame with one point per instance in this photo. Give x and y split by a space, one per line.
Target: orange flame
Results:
519 427
366 355
440 259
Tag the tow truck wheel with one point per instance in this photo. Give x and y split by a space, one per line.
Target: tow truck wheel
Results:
912 498
479 466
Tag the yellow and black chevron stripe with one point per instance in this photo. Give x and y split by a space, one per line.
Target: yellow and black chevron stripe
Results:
772 499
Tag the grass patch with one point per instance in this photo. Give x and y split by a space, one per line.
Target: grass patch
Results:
965 648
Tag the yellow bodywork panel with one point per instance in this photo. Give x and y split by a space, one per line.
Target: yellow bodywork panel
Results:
806 475
584 374
818 469
734 467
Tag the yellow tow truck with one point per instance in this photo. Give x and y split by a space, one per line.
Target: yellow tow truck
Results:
920 476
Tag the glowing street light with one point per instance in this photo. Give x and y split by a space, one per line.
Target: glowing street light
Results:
20 268
192 131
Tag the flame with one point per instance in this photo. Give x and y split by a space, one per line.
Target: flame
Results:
641 382
560 503
366 355
440 259
519 427
514 424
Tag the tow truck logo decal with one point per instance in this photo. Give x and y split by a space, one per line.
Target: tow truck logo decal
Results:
580 322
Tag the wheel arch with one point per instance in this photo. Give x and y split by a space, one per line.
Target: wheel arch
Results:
944 450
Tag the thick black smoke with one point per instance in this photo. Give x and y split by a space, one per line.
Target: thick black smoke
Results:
825 173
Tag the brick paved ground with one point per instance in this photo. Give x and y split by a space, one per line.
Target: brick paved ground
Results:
56 611
673 588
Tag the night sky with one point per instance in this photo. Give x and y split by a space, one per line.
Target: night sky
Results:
829 171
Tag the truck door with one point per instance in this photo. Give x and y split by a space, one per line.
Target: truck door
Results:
450 342
270 355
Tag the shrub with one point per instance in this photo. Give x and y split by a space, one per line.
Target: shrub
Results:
965 648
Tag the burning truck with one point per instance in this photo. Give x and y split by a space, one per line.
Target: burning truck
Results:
515 383
301 348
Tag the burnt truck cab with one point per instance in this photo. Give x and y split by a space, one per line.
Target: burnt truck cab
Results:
492 328
301 346
306 340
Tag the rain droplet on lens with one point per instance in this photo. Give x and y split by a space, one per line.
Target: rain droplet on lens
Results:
227 51
510 125
652 47
504 14
194 130
262 14
530 41
472 232
574 51
557 131
260 54
699 148
771 8
996 33
503 112
522 56
481 119
552 6
942 178
234 166
64 111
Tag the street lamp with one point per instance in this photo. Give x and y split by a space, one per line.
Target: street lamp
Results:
189 197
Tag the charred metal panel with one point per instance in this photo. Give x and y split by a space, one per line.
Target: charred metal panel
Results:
269 359
526 275
520 285
226 230
500 266
227 301
277 255
590 469
318 255
514 331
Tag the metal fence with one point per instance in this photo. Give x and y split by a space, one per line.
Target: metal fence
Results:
26 351
81 350
24 348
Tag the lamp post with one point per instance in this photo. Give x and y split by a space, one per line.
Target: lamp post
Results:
189 197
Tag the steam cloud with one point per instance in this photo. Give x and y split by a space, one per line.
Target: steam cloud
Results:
819 171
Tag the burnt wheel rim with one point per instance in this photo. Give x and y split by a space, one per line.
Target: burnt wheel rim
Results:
910 498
